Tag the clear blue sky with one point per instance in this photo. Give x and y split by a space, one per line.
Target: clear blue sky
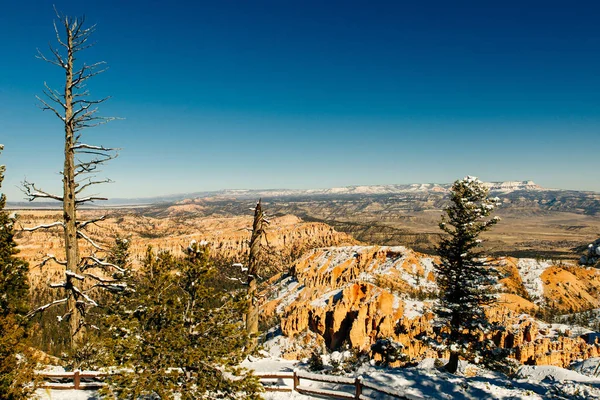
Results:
313 94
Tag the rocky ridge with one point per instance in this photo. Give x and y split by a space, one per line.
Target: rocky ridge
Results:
287 237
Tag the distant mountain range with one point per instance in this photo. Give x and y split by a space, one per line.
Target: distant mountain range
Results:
505 187
499 188
536 220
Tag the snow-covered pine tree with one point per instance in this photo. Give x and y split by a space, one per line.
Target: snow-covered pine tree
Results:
178 336
465 277
15 374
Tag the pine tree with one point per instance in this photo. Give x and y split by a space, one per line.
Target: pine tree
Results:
96 351
178 335
15 374
466 279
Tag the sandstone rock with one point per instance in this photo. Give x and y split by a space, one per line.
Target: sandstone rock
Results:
359 294
288 236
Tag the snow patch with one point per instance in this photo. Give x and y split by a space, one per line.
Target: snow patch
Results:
531 271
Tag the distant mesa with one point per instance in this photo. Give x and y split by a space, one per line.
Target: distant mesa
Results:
513 185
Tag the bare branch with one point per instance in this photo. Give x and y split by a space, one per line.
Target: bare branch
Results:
59 62
83 167
58 285
238 280
83 113
85 296
48 258
54 95
86 124
72 274
90 183
86 168
58 39
45 307
44 226
100 279
47 106
33 192
92 152
88 199
89 240
82 225
102 158
91 147
97 262
86 72
113 287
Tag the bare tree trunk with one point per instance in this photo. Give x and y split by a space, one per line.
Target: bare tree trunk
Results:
77 112
452 365
257 234
69 205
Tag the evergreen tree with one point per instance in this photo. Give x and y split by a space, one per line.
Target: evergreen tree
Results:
466 279
95 352
177 335
15 373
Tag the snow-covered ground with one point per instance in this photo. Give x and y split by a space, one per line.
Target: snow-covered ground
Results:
426 381
48 394
531 271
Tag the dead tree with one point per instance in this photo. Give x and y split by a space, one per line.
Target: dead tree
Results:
258 232
77 112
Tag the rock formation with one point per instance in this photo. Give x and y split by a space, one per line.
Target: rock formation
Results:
288 236
355 295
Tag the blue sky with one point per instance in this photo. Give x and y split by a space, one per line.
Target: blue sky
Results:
314 94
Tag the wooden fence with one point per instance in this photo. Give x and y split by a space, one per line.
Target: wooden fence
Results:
348 388
74 379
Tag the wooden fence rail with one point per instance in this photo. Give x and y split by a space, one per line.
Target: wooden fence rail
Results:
75 377
351 388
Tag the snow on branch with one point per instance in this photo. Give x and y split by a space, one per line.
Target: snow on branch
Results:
240 266
45 307
48 258
88 199
44 226
91 147
85 296
72 274
97 262
112 287
89 240
82 225
237 280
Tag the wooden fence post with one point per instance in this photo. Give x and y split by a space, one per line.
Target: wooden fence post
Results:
296 380
358 385
76 379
